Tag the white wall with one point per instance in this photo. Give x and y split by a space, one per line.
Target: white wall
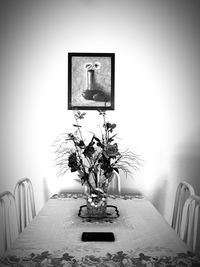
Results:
157 97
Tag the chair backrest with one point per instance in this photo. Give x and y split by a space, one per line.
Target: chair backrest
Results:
9 228
115 184
183 191
24 196
190 222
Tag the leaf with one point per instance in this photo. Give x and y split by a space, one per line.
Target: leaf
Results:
82 115
96 138
108 125
79 115
82 181
78 180
112 126
45 253
67 257
99 143
111 138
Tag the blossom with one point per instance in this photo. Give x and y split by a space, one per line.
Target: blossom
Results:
89 150
72 162
111 151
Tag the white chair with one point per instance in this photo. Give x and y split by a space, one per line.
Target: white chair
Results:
115 185
24 196
190 222
183 191
9 228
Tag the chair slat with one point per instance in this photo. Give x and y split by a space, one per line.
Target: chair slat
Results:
9 228
24 195
184 190
190 222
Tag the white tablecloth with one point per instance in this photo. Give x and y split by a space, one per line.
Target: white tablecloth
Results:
139 230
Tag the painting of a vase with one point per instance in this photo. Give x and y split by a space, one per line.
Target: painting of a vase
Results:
91 81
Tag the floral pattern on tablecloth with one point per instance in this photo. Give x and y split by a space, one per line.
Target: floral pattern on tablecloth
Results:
119 259
81 195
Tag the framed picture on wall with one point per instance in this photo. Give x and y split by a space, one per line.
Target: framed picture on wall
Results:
91 81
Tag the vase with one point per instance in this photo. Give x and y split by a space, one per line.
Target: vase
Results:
97 204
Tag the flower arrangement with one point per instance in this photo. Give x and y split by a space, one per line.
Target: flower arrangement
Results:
95 161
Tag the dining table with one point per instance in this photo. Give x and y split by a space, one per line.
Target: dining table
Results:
142 237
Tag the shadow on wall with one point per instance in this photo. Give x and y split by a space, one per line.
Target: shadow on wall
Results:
46 191
159 197
187 164
72 190
187 167
130 191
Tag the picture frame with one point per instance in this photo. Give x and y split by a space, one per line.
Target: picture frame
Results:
91 81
